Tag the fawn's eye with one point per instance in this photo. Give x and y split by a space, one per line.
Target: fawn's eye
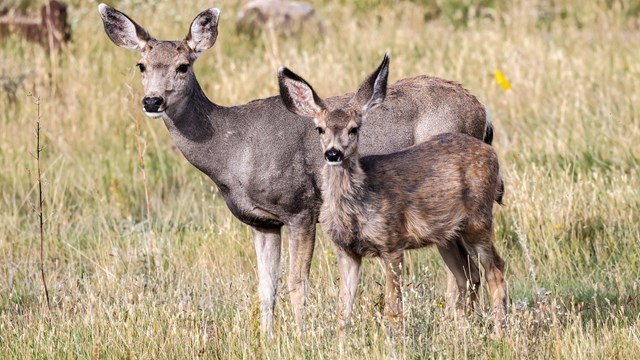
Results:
182 68
353 131
141 67
320 130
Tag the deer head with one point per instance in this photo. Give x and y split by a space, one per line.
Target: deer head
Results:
338 128
166 66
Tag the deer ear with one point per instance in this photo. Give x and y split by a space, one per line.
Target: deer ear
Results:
373 90
203 31
123 31
298 96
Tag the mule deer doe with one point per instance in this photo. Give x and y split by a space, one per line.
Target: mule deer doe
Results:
439 192
262 157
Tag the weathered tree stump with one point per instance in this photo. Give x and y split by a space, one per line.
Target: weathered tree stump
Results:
51 30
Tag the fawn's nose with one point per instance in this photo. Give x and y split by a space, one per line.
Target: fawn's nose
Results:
152 104
333 155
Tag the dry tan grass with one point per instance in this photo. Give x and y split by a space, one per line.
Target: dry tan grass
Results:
567 134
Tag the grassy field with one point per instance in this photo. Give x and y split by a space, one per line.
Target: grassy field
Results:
567 133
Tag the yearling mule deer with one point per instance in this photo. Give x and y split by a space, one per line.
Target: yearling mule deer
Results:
262 157
439 192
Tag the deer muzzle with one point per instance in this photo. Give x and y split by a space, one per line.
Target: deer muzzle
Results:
333 156
152 106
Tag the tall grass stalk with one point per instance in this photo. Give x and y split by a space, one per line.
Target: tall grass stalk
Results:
39 209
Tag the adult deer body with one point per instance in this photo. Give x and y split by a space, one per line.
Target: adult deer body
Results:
262 157
439 192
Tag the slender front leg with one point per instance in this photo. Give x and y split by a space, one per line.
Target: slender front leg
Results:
393 294
349 270
302 238
267 243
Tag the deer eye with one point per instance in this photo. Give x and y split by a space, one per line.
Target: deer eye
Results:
141 67
320 130
353 131
183 68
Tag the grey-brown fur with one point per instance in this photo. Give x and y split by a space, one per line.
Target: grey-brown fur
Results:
428 194
439 192
263 158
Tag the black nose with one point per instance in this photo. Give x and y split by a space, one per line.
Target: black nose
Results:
152 104
333 155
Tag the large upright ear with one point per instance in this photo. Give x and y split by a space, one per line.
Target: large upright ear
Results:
123 31
298 96
203 31
374 89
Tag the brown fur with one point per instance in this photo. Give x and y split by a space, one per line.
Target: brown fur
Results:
439 192
425 195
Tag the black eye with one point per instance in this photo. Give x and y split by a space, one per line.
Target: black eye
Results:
183 68
320 130
353 131
141 67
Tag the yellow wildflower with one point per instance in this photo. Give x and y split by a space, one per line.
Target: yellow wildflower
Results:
502 81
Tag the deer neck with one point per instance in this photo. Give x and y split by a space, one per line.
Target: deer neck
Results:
343 188
344 181
191 117
194 124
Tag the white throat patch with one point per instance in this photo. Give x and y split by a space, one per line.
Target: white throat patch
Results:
153 115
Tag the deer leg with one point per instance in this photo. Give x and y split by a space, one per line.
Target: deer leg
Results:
472 272
349 269
473 284
463 277
494 272
393 293
267 243
302 237
451 298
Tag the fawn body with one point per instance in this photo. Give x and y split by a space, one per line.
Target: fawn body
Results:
262 157
439 192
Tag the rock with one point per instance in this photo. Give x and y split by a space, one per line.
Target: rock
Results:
284 17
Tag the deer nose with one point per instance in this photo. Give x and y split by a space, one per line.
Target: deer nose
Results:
152 104
333 155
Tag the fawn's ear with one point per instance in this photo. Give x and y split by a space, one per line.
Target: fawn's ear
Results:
374 89
123 31
298 96
203 31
